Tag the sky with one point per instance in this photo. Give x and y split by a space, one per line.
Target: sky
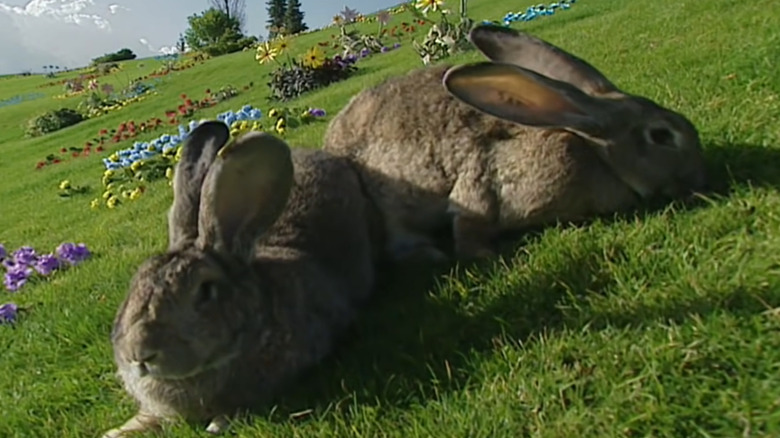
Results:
69 33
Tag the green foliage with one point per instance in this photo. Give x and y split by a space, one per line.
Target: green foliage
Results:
216 33
444 39
293 18
51 121
277 10
121 55
292 80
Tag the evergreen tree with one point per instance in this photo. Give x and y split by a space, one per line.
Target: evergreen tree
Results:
277 10
293 17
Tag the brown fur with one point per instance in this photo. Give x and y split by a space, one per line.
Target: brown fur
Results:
230 324
428 157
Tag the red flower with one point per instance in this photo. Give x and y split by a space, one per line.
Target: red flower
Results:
170 114
208 91
183 96
103 132
63 150
56 160
40 164
75 154
422 22
88 144
99 149
188 102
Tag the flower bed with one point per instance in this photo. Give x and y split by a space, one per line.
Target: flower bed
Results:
21 265
129 170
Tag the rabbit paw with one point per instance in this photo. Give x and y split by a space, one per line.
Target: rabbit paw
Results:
217 425
137 424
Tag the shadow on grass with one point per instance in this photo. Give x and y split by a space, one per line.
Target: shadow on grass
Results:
410 345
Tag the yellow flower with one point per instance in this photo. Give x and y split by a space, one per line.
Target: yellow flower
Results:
282 44
281 130
178 154
314 58
280 124
257 126
112 202
94 204
169 172
274 113
110 187
114 157
108 173
266 53
65 185
126 193
136 165
429 5
135 194
107 194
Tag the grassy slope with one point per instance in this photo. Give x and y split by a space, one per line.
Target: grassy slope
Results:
655 325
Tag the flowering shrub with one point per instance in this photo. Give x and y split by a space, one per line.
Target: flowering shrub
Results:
20 265
444 38
295 77
102 99
129 170
51 121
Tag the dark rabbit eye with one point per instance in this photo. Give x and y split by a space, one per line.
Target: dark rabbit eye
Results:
207 292
661 136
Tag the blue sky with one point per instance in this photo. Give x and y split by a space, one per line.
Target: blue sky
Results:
69 33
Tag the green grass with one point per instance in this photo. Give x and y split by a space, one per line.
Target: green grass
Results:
660 324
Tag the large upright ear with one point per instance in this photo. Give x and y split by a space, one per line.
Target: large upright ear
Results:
197 154
504 45
244 193
523 96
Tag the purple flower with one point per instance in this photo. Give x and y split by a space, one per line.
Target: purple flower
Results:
72 253
365 52
317 112
3 252
8 312
25 256
384 49
46 264
16 278
396 45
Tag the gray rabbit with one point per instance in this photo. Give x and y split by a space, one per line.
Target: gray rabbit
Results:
532 137
270 253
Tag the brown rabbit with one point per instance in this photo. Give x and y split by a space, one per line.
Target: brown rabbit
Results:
533 137
269 256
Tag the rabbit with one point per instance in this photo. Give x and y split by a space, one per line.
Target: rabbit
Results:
532 136
270 255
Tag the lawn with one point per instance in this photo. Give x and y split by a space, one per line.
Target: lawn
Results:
663 323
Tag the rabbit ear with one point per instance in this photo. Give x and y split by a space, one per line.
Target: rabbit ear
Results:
522 96
244 193
510 46
197 154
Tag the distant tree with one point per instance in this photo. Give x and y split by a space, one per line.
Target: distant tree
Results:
277 9
233 9
121 55
293 17
215 33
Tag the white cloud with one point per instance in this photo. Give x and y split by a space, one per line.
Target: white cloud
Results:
113 9
68 11
67 33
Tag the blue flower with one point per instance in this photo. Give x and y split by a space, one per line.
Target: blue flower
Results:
16 277
46 264
8 312
73 253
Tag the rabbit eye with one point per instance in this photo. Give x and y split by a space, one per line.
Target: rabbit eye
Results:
661 136
207 292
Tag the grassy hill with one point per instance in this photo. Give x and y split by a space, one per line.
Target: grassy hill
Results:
662 324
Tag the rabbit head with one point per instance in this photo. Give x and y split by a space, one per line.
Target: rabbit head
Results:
654 150
179 317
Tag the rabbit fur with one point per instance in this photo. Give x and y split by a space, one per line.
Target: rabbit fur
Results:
270 253
533 136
